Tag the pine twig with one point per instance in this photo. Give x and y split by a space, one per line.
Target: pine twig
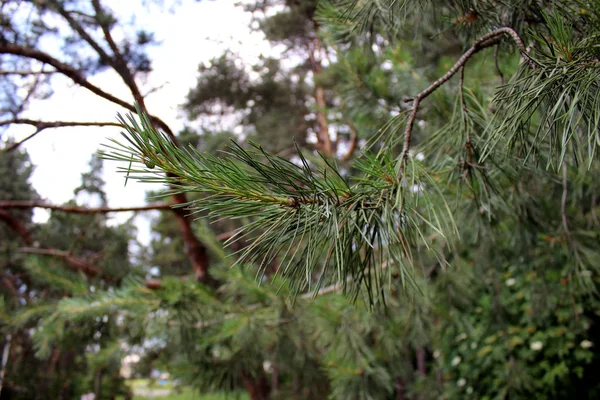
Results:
487 40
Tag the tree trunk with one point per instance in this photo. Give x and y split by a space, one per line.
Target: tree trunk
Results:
98 384
400 389
421 366
323 139
257 386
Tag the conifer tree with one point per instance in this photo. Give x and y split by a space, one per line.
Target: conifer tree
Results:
454 257
471 214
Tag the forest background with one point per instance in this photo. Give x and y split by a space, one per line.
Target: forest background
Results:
409 248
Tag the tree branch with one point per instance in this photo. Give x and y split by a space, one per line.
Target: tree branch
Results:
353 143
41 125
26 73
74 262
119 62
194 249
16 225
487 40
27 204
76 76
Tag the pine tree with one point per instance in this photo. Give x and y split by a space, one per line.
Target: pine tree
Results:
52 357
454 257
472 212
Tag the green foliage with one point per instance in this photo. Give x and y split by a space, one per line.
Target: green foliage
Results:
356 228
455 195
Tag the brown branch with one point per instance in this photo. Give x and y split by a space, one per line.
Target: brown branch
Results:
353 143
74 262
16 225
41 125
487 40
468 144
500 74
26 73
76 76
563 203
323 138
26 204
118 60
77 27
194 249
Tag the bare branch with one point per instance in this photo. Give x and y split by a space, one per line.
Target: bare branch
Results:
77 27
27 204
155 89
76 76
41 125
26 73
323 138
119 63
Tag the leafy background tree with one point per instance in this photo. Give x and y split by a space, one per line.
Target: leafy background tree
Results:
454 256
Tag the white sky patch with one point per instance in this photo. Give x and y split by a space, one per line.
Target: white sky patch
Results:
195 32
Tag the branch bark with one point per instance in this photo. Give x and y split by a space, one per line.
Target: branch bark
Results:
485 41
76 76
74 262
26 204
323 138
41 125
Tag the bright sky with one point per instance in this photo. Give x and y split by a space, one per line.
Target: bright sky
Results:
193 33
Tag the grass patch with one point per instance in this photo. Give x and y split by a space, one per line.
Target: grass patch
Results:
144 385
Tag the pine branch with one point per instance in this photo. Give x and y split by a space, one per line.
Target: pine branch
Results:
318 226
485 41
27 204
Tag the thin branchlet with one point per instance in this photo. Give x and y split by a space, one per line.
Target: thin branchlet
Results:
485 41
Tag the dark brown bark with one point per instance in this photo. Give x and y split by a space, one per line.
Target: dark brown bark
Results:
257 386
194 249
98 383
8 283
